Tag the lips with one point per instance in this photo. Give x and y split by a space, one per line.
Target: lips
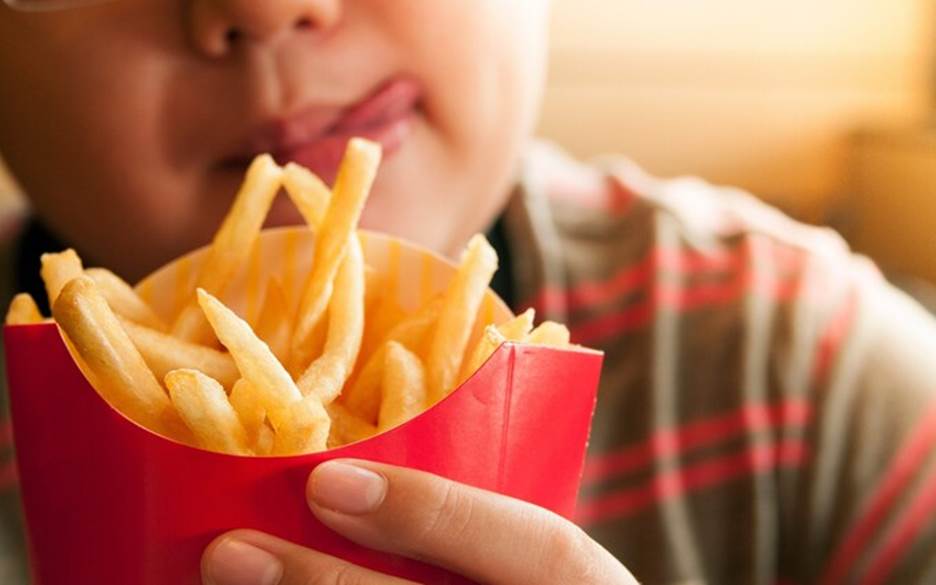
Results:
316 138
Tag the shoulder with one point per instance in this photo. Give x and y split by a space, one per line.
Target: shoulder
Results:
679 244
614 201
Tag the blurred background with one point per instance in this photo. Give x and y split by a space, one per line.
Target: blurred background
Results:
821 108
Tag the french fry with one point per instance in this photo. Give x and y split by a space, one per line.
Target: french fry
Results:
246 402
121 375
57 270
362 397
253 357
515 329
384 315
123 300
300 425
164 353
23 311
347 427
327 374
232 244
205 408
355 177
403 388
460 306
549 333
308 193
490 340
299 362
335 364
306 429
415 331
519 327
312 198
274 325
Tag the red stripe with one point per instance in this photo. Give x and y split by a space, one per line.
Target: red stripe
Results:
618 323
917 516
832 338
670 484
630 277
672 442
911 454
686 261
671 296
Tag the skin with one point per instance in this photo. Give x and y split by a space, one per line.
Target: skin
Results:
126 114
486 537
130 106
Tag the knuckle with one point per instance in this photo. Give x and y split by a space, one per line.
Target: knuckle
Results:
448 516
335 574
570 555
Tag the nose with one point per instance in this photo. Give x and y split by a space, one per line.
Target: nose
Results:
217 26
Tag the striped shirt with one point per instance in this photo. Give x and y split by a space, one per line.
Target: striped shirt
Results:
766 412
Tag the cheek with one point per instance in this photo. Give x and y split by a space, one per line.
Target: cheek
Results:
483 85
485 77
95 148
124 162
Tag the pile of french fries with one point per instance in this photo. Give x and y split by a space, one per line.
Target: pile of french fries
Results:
334 366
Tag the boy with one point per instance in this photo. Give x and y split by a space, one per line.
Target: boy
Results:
766 412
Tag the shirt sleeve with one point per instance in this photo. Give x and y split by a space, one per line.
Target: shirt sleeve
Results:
865 507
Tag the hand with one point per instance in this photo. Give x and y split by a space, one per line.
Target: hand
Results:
484 536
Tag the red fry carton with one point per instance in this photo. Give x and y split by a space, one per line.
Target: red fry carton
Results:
107 501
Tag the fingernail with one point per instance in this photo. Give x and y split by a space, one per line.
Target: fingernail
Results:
347 488
234 562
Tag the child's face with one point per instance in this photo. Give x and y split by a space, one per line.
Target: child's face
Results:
130 123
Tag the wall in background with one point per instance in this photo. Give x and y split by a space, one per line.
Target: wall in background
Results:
758 94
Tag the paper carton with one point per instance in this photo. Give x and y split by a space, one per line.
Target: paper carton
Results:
107 501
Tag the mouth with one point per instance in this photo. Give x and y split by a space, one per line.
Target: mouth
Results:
316 137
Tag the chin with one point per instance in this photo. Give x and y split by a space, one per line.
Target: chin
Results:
378 218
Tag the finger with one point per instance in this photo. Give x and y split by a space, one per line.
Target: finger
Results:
247 557
485 536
